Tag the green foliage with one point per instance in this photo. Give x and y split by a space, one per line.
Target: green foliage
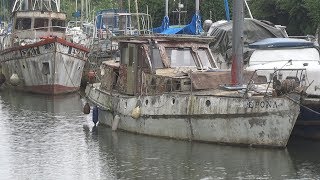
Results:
4 10
313 7
300 16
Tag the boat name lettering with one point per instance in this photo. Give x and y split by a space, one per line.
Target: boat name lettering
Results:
263 104
78 53
30 52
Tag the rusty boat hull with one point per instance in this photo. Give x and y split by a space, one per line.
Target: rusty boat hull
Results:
255 121
51 66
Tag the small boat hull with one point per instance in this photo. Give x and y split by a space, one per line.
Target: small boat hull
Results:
52 66
308 122
256 121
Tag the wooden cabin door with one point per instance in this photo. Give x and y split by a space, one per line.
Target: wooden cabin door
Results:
132 68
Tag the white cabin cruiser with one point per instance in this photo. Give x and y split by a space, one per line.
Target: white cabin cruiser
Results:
280 58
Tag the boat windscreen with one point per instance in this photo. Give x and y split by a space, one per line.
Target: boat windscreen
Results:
23 23
204 58
181 57
58 25
41 23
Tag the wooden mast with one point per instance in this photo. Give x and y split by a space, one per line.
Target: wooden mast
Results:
237 43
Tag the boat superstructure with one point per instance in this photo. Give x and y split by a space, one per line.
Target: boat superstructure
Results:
37 58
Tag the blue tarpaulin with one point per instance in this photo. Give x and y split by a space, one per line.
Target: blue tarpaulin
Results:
194 28
164 26
172 30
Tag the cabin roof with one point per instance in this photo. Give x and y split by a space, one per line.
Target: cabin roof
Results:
40 14
280 43
171 38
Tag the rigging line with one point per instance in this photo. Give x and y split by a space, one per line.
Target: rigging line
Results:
316 112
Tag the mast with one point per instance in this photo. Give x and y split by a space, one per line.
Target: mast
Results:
129 5
248 8
226 7
42 5
120 4
167 8
237 43
137 11
197 7
81 14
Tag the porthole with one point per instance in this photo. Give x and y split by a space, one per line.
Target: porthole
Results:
173 101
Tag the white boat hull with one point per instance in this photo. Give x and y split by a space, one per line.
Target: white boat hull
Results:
256 121
48 67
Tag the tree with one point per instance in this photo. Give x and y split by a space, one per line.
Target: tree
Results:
300 16
313 7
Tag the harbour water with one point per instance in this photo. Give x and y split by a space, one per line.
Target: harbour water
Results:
50 138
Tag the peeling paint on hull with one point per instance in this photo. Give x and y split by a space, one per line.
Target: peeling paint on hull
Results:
191 117
51 66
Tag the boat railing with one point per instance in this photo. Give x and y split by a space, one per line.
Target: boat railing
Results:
280 84
122 24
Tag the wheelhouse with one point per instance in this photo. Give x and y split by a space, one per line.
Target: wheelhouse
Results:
38 24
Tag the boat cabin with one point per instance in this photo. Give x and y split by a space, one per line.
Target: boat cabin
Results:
38 24
156 65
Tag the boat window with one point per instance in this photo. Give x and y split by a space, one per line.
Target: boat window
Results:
156 59
204 58
180 57
23 23
41 24
58 25
123 53
109 20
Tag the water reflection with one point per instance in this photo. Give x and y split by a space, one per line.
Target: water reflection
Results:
137 156
305 156
58 105
50 138
42 136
